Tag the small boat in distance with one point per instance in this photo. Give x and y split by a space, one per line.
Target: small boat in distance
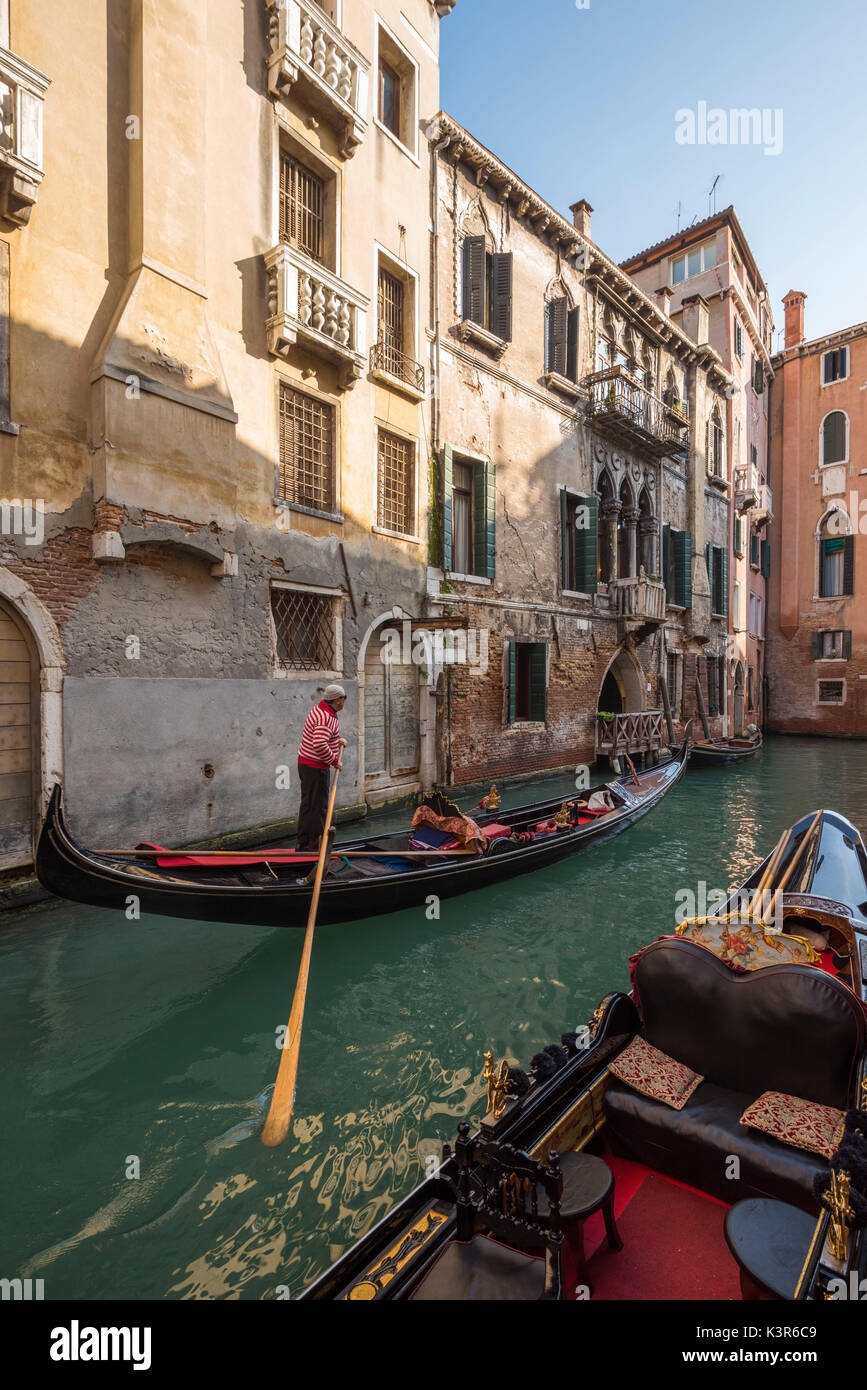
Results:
725 750
366 877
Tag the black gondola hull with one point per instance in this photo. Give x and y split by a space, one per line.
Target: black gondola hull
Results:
70 871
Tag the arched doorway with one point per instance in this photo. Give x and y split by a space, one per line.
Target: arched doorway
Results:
623 685
391 711
19 738
739 699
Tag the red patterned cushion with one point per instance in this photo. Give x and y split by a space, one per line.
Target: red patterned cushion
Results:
801 1123
649 1071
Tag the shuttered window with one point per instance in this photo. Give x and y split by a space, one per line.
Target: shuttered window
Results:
391 321
755 550
740 531
561 339
835 644
469 515
835 365
487 287
837 567
306 470
758 376
301 201
718 578
766 559
579 536
834 437
677 566
527 682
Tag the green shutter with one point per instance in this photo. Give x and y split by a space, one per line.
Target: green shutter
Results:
448 497
849 566
766 559
564 538
572 346
475 266
683 568
539 682
484 519
847 645
512 677
501 306
666 567
817 646
557 314
724 596
587 546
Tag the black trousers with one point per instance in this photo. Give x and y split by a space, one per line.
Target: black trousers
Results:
315 782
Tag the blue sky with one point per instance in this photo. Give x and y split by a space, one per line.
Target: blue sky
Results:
581 103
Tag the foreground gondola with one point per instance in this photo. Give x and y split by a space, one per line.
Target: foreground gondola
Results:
578 1184
367 877
723 751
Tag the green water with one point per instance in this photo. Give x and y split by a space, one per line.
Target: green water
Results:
155 1040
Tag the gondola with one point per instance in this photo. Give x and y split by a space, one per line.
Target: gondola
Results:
724 750
579 1184
366 877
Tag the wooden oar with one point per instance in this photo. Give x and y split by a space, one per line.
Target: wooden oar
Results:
702 712
282 856
280 1112
770 869
796 859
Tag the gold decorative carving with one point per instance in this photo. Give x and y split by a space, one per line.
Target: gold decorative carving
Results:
837 1198
399 1255
562 816
497 1080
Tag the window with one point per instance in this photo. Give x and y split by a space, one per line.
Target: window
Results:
751 688
765 563
527 682
758 375
716 460
397 89
487 287
834 431
717 560
303 630
740 532
561 339
603 354
306 471
836 566
302 199
469 521
752 615
395 509
737 604
831 693
739 340
760 631
677 566
713 684
579 526
832 645
395 348
693 262
835 366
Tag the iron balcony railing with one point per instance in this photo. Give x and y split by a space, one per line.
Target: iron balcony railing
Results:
623 408
385 357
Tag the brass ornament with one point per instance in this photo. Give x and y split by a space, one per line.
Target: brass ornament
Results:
493 798
497 1079
837 1199
562 816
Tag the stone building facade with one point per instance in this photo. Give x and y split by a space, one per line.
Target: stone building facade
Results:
571 505
707 276
215 271
817 633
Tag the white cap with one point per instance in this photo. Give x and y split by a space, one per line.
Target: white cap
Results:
334 692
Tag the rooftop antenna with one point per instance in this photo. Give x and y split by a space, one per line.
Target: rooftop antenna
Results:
711 197
679 213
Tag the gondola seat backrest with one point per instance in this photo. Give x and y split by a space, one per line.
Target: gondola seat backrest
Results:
789 1028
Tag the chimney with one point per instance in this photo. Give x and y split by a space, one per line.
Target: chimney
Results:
663 298
695 318
794 307
581 217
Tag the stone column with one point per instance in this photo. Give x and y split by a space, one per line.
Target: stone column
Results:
610 519
631 519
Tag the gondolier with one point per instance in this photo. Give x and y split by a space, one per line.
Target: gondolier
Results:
321 749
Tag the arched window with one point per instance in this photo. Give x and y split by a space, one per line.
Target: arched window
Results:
608 511
835 430
716 456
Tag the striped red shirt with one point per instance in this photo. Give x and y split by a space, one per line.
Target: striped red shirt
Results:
319 741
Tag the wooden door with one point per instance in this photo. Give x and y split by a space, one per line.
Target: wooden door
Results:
19 742
391 719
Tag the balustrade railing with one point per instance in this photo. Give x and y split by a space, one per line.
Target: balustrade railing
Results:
630 733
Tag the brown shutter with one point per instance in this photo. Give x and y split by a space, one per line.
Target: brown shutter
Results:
501 306
474 278
557 330
572 346
849 565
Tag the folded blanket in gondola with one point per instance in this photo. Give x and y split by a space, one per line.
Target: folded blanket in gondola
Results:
461 827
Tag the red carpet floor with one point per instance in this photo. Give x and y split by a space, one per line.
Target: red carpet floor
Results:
673 1242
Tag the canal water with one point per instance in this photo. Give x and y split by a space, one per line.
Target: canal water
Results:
137 1057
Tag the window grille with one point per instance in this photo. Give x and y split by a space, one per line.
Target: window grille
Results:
303 630
831 692
306 450
301 200
396 491
391 334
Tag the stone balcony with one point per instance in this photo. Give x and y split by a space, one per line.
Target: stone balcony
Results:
626 411
313 308
22 97
752 495
638 598
312 63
